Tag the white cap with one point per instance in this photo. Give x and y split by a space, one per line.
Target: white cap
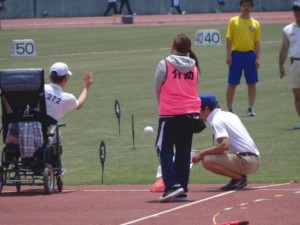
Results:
296 3
61 69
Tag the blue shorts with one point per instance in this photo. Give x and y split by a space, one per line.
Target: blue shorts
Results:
243 61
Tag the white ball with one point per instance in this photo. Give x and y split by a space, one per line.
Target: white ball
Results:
148 130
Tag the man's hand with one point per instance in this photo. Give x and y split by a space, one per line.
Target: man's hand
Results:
87 79
282 72
197 157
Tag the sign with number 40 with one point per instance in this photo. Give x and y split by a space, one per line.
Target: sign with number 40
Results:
208 37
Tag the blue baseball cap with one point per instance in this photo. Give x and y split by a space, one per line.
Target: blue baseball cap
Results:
296 5
208 100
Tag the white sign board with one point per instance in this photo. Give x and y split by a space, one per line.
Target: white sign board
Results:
208 37
25 47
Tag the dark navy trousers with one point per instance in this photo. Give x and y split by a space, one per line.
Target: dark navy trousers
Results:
173 145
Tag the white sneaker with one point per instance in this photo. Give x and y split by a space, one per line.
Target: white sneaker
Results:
250 112
230 110
183 12
297 126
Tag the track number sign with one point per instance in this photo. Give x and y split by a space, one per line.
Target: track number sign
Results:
25 47
208 37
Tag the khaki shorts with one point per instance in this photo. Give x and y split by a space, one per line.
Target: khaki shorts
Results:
239 164
294 74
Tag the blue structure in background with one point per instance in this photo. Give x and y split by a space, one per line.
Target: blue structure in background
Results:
86 8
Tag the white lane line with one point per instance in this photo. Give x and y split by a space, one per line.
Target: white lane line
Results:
177 208
272 185
194 203
120 190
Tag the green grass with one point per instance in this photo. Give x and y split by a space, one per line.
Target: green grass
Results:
123 60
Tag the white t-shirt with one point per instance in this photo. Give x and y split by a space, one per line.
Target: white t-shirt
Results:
227 124
292 32
58 102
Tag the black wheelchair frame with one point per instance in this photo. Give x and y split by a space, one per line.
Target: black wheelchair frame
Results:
23 101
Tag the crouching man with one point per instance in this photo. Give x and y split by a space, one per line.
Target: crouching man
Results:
235 154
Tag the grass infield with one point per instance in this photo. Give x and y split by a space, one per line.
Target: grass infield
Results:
123 60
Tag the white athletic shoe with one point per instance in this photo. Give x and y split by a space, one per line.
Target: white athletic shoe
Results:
250 112
297 126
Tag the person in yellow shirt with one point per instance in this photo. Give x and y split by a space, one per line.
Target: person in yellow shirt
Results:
243 52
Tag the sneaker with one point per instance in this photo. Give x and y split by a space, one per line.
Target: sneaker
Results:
230 110
170 194
250 112
235 184
183 12
297 126
180 198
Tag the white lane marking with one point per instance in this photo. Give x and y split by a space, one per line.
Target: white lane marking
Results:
177 208
119 52
194 203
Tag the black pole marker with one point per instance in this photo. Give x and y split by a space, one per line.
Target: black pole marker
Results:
133 133
102 156
118 113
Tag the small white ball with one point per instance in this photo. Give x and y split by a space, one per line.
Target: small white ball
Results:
148 130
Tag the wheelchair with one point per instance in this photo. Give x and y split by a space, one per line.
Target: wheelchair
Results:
32 149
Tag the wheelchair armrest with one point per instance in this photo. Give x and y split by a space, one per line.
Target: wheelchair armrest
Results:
52 128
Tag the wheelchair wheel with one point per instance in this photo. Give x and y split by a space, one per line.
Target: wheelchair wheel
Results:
59 183
48 179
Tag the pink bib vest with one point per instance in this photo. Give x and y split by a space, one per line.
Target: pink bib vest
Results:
179 94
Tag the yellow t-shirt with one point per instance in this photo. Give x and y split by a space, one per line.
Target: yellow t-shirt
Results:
243 33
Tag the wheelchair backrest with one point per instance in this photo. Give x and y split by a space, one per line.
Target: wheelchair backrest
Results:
22 87
23 98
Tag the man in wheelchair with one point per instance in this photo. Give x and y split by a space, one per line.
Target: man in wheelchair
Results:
30 110
58 102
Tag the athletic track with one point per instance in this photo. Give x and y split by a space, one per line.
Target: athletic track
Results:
260 204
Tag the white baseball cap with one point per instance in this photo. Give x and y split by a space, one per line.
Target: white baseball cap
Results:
61 69
296 4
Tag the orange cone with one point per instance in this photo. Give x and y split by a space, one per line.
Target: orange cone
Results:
158 186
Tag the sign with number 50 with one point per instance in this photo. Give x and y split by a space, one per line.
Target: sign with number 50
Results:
24 47
208 37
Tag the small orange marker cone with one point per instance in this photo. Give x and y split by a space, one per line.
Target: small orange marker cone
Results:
158 186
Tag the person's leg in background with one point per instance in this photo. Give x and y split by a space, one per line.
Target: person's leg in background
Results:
296 92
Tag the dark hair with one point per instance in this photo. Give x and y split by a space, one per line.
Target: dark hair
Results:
249 1
211 107
55 78
296 8
183 45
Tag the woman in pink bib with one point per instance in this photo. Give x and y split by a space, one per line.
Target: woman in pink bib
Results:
176 82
